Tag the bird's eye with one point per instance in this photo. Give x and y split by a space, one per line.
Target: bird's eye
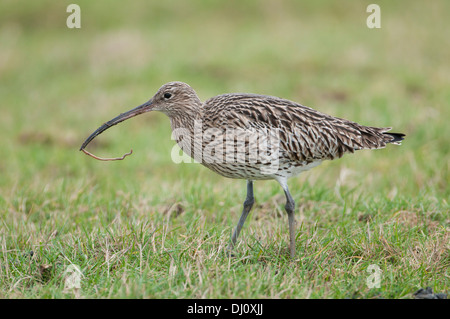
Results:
167 95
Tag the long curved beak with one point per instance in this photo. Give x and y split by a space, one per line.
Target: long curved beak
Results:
146 107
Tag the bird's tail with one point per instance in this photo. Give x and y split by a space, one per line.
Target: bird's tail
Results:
395 138
378 137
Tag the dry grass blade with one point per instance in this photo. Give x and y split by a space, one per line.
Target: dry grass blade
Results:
107 158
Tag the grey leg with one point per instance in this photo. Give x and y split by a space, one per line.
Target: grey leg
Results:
246 210
290 208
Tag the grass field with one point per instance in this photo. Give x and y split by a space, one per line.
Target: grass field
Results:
146 227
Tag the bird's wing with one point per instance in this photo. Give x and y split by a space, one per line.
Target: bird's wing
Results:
304 133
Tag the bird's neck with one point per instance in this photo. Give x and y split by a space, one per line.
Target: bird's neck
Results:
186 131
185 116
178 122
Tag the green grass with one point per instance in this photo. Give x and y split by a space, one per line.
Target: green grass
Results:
146 227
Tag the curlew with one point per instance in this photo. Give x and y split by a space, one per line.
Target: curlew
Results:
255 137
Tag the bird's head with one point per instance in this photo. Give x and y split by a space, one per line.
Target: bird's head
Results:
173 99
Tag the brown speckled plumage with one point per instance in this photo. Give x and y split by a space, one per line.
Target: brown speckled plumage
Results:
297 137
